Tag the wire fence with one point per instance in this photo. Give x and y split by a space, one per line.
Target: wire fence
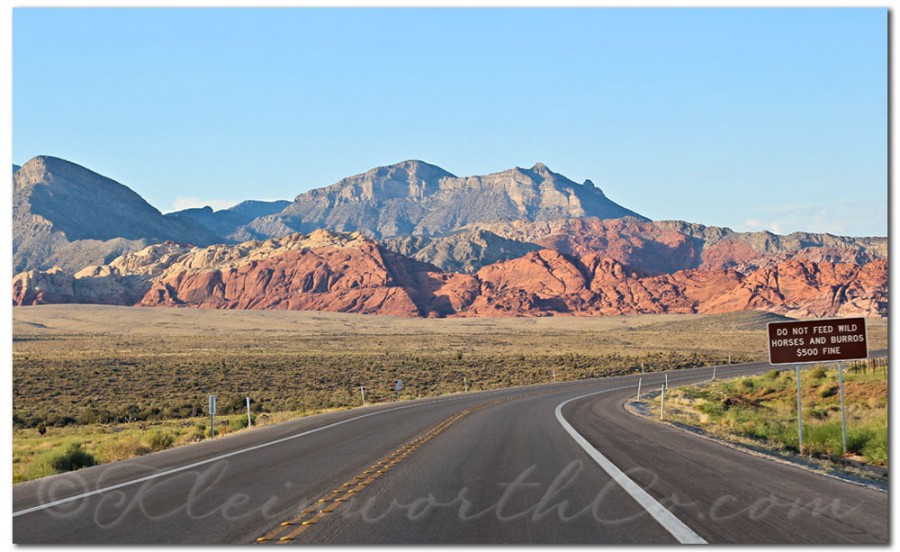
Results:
870 365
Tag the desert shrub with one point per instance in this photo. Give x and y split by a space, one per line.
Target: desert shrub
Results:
875 449
773 375
818 373
160 440
824 438
714 409
826 391
71 459
123 448
240 422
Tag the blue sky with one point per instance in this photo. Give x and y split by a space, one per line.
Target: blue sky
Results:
751 119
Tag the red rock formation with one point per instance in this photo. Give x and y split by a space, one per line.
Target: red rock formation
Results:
344 273
362 279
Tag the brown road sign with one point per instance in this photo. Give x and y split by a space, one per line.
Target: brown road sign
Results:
817 341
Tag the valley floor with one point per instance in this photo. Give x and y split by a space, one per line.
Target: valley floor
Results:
123 381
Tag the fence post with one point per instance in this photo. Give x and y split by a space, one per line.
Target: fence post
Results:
662 404
799 410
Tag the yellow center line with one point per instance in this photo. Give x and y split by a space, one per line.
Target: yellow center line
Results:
297 526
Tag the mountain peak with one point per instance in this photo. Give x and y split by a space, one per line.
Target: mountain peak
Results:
541 169
413 168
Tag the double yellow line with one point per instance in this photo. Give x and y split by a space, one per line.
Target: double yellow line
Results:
289 530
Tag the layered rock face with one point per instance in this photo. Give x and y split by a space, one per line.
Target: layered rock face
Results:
414 198
350 273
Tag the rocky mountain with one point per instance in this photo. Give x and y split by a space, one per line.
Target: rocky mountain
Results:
228 223
647 247
351 273
466 250
66 215
523 242
16 169
414 198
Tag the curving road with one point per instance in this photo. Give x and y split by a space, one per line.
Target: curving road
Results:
559 463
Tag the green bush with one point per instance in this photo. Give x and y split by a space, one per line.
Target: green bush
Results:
818 373
160 440
826 391
824 438
239 423
875 450
773 375
73 458
713 408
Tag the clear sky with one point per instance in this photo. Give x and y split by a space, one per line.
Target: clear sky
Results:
752 119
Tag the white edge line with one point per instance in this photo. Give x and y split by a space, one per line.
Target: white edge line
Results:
209 460
676 527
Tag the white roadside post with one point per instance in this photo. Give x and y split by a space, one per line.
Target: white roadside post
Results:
662 404
667 380
799 411
639 389
466 384
843 411
212 416
249 419
362 391
714 373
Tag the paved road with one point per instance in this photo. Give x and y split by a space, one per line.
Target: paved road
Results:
491 467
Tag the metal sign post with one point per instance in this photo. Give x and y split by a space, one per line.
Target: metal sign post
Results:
212 416
799 411
843 411
639 389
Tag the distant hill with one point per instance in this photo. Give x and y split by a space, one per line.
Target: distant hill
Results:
67 215
227 223
414 198
647 247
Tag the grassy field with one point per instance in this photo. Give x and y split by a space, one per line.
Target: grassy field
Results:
93 375
763 410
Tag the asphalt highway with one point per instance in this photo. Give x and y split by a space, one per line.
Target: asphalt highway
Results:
556 463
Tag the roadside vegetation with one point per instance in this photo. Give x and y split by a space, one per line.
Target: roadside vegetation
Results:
39 452
762 411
